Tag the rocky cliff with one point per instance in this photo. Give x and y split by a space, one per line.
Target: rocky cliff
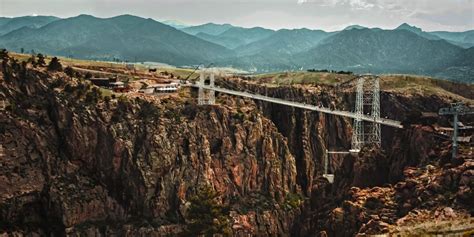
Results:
75 163
377 174
78 163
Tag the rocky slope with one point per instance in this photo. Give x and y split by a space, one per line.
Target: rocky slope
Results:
75 164
79 164
411 155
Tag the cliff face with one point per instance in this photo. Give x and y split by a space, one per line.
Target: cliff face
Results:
74 164
78 164
309 134
376 176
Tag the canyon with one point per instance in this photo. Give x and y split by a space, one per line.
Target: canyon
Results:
78 163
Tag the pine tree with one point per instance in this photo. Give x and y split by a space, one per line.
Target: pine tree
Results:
3 54
55 65
206 216
40 61
69 71
88 76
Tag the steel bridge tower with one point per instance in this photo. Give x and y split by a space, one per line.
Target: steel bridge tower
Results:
206 97
367 102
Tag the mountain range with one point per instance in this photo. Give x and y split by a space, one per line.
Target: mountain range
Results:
406 49
126 37
11 24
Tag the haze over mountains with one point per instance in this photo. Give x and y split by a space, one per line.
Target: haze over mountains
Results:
406 49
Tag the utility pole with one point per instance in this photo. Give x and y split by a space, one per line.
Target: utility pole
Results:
456 110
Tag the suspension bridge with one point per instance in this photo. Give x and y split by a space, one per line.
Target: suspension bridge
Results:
366 115
363 117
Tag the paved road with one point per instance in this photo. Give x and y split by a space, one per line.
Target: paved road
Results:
387 122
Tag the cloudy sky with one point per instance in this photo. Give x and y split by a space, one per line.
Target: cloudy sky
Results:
453 15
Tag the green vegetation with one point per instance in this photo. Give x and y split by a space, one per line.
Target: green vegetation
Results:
293 200
254 201
40 62
181 73
106 92
69 71
426 86
93 96
239 115
148 111
3 54
54 65
312 78
206 215
173 115
122 108
409 84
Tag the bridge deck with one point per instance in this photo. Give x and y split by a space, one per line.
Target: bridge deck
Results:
387 122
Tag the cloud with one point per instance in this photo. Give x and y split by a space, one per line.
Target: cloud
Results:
351 4
361 4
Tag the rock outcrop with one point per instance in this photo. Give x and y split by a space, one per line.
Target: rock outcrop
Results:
77 164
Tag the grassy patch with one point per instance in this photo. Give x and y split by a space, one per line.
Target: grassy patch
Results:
289 78
105 92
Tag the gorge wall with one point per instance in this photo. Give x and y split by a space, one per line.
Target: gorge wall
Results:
80 164
381 172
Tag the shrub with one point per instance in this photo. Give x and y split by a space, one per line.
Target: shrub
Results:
107 99
88 76
68 88
40 61
3 54
206 215
148 111
55 65
93 96
121 110
69 71
293 200
32 60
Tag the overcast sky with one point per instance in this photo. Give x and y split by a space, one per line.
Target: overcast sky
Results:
452 15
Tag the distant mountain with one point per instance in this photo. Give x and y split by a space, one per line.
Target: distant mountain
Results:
462 69
417 31
463 39
228 42
209 29
407 49
4 20
124 37
10 24
237 36
176 24
359 27
395 51
284 42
